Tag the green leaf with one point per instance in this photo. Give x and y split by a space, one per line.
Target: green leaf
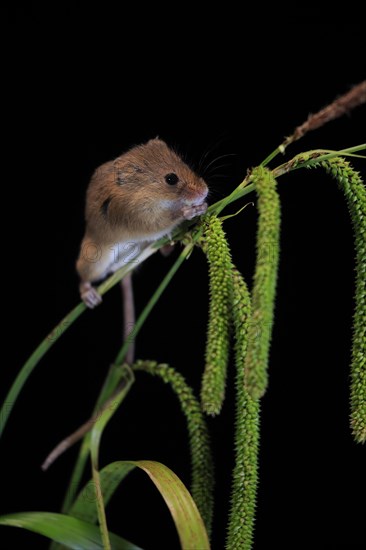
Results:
187 519
71 532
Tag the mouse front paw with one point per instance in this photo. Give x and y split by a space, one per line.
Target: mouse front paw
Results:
191 212
89 295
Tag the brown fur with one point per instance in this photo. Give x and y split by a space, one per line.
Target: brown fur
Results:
129 201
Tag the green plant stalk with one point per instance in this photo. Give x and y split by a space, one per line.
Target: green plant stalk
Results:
214 245
95 438
101 510
271 156
127 377
354 191
76 475
112 380
202 485
281 149
312 158
265 279
245 472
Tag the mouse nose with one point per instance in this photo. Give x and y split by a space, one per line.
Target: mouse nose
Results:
197 196
203 190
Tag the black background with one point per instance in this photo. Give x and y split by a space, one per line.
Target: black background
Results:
80 87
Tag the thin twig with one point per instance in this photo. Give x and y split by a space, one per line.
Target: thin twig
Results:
340 106
78 434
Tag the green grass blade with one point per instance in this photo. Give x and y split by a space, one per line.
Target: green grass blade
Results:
71 532
103 419
185 514
187 519
95 438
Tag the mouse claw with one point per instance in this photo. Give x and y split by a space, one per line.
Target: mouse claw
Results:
193 211
90 295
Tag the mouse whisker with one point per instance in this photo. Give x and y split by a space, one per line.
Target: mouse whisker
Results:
210 148
215 168
217 159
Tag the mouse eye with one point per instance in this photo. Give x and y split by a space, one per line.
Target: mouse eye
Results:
171 179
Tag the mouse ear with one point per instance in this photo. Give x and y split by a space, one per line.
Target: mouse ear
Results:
157 142
122 171
156 138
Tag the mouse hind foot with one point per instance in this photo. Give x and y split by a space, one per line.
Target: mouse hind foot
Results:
89 295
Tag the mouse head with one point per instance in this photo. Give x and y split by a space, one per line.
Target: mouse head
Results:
154 171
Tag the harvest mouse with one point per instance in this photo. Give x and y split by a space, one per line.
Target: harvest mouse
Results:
139 197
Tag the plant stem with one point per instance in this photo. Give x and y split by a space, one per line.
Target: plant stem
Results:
311 158
274 154
340 106
128 379
101 510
